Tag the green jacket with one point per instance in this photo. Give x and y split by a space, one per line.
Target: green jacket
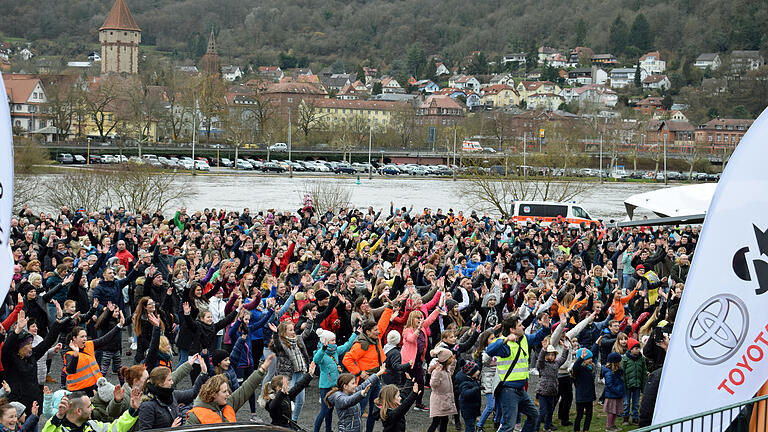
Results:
236 400
123 424
635 371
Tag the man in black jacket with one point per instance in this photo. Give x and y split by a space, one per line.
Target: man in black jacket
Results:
651 390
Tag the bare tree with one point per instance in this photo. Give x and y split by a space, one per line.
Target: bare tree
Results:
26 188
135 186
101 104
308 117
328 195
74 189
501 127
209 98
404 122
263 109
64 96
238 123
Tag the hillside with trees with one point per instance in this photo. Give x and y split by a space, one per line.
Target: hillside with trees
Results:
383 32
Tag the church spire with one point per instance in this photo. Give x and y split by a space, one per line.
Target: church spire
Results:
210 60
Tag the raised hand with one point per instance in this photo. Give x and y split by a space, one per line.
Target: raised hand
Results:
187 308
35 409
63 407
136 397
153 319
312 367
118 393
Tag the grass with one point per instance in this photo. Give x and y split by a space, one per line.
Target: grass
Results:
597 425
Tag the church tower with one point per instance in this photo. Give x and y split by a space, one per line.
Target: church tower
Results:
119 38
210 61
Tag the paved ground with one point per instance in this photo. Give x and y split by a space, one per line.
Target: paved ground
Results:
417 421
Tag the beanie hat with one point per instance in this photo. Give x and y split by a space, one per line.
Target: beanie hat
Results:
218 356
613 357
450 304
580 352
105 389
321 295
631 343
640 267
25 338
393 337
469 368
325 264
20 408
325 336
442 354
51 403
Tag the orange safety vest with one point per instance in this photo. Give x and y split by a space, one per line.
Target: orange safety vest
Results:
209 416
88 371
165 363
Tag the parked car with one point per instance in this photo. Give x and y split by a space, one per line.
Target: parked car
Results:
390 169
95 159
272 167
344 168
243 164
186 163
226 162
79 159
417 170
108 159
65 158
202 165
279 147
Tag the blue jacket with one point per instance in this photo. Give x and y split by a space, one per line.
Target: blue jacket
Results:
499 349
263 332
241 352
591 333
614 383
327 365
470 399
584 382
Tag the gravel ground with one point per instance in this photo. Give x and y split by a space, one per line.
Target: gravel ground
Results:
417 421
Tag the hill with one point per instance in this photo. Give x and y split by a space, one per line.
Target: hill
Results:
382 31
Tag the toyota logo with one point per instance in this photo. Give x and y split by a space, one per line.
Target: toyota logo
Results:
717 330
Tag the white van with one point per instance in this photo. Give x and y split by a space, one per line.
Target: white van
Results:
471 146
278 147
546 212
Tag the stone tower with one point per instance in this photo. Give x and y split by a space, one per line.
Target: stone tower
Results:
210 61
119 38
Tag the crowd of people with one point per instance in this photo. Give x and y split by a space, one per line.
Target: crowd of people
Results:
370 307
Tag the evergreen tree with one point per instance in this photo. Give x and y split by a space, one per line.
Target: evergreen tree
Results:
360 73
531 57
619 36
641 35
638 79
376 88
431 72
666 102
415 60
580 32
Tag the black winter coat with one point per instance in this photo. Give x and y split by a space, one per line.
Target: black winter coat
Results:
279 407
395 368
469 395
23 379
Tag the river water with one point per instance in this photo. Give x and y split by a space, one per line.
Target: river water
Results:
604 201
261 192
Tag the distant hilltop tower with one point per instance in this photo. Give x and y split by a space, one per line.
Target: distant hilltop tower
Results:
210 60
119 38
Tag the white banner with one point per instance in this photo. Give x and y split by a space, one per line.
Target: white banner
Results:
718 351
6 193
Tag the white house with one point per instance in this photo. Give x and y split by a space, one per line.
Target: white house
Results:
231 73
390 85
592 94
656 82
547 101
464 82
622 77
26 54
518 58
652 63
26 100
744 61
709 61
557 60
441 69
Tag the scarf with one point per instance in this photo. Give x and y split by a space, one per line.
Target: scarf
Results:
164 395
294 353
331 349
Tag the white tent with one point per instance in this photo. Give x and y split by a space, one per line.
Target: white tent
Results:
674 201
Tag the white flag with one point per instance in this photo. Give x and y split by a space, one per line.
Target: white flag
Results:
718 351
6 193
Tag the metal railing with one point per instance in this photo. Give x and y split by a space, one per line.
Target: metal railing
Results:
747 416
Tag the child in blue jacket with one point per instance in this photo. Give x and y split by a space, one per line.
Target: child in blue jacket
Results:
584 384
326 358
614 390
